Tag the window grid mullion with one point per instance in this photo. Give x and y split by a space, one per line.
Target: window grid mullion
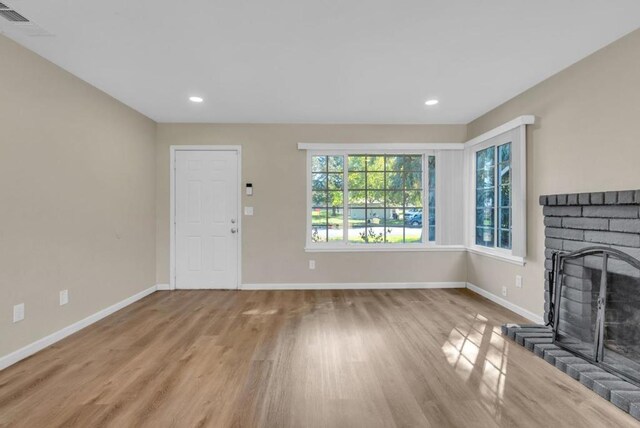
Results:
496 195
345 199
384 197
366 199
326 200
404 206
426 203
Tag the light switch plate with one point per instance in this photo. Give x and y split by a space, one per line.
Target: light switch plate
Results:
18 312
64 297
248 210
312 264
518 281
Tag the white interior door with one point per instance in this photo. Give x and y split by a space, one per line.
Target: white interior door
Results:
206 219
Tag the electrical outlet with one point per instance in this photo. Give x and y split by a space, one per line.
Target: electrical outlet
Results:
312 264
248 210
18 312
504 291
64 297
518 281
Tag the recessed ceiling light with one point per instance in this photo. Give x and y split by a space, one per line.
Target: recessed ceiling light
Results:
196 99
431 102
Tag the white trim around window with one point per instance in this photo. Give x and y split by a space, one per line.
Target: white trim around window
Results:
455 194
518 122
385 147
513 132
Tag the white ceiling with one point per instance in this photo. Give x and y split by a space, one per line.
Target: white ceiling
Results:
319 61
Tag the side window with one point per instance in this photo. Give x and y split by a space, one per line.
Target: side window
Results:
493 196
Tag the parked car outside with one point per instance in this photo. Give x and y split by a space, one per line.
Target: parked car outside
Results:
414 219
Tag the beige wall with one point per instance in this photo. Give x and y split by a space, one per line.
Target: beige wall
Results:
586 138
85 193
274 238
77 201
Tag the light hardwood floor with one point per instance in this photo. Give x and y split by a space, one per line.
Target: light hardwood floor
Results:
397 358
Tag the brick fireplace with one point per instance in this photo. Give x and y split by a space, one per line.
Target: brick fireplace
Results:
593 249
596 311
576 221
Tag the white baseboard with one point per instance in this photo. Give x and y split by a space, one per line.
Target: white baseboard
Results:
40 344
502 302
352 285
163 287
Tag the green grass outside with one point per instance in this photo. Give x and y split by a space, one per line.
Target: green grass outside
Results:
319 220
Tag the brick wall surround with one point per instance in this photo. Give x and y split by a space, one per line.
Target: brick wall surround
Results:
578 220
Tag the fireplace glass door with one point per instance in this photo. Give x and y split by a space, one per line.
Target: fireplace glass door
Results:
597 308
577 310
621 350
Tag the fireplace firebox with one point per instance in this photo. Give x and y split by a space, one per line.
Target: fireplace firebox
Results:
601 322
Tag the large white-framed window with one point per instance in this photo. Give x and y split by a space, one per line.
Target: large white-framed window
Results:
496 192
371 199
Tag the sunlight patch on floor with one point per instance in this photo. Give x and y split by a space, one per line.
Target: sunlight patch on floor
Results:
260 312
479 354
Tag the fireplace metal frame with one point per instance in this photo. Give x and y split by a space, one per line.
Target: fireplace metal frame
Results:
555 295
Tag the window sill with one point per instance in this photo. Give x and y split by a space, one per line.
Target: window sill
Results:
498 255
396 248
520 261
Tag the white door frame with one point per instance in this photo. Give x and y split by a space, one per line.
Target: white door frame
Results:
172 211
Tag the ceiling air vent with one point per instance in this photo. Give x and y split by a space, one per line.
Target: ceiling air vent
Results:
13 16
17 24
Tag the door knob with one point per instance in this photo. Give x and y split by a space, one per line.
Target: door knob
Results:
233 221
234 230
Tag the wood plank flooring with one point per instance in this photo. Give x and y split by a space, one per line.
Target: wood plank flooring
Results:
360 358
